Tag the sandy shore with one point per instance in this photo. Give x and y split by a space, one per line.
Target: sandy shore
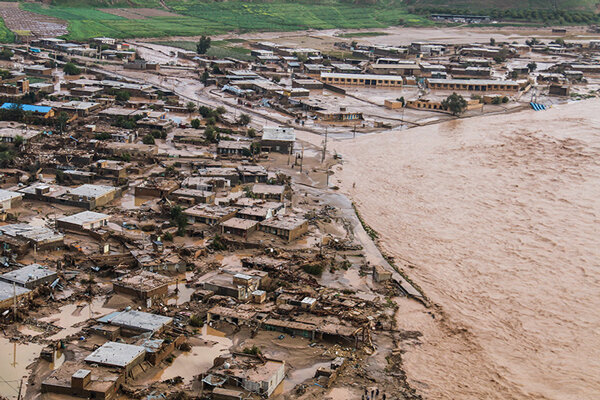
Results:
498 218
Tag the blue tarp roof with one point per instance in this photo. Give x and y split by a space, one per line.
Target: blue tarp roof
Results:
27 107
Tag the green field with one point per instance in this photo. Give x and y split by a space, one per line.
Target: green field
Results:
566 5
549 12
6 36
200 17
218 49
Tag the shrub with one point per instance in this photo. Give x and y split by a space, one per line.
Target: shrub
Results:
71 69
196 321
313 269
254 350
244 119
148 139
218 244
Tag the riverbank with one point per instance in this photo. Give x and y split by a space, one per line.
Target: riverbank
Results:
495 218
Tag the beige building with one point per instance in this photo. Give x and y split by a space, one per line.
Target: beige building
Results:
365 80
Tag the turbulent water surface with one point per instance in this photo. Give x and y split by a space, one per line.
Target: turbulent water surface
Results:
499 217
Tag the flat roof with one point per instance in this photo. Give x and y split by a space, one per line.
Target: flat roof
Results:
115 354
142 280
361 76
270 189
8 195
278 133
30 232
7 291
473 81
29 273
252 169
84 217
239 223
81 373
234 144
137 320
210 211
287 223
192 192
93 191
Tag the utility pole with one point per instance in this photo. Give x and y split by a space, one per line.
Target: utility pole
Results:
324 145
354 132
290 154
302 158
14 302
20 388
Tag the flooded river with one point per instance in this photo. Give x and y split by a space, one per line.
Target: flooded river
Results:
498 218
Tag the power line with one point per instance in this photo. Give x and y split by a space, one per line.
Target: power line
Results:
9 385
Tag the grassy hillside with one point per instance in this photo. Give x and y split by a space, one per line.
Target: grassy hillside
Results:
566 5
201 17
87 19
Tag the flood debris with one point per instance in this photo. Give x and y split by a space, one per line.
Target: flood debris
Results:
178 232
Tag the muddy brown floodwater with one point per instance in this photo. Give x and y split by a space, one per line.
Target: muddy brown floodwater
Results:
500 218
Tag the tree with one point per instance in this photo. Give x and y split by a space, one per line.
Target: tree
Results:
244 119
61 121
455 103
195 123
492 42
204 77
122 95
203 45
502 55
6 54
191 107
220 110
532 66
255 148
211 134
156 134
148 139
251 132
205 111
71 69
179 219
19 140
